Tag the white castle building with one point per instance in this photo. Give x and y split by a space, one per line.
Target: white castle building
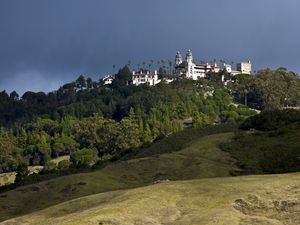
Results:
145 77
190 69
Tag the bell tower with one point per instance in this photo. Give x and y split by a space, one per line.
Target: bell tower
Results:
189 57
178 59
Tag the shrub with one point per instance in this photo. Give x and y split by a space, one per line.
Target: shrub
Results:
84 157
64 164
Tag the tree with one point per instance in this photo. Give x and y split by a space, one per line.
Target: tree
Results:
22 138
162 73
170 66
278 88
89 83
243 84
81 82
84 157
123 76
63 145
22 173
14 96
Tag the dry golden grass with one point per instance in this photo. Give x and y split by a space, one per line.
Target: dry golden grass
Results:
61 158
7 178
251 200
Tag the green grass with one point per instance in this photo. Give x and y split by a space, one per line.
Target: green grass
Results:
182 139
201 158
259 152
248 200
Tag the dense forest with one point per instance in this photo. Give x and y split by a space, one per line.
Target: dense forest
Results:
268 89
93 122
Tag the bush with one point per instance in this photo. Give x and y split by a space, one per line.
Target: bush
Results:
22 173
229 116
84 157
49 166
271 120
64 164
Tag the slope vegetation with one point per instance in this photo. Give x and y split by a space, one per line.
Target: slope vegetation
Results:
264 200
202 158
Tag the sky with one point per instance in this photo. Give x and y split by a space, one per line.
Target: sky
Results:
44 44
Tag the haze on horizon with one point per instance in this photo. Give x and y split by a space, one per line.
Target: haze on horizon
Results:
44 44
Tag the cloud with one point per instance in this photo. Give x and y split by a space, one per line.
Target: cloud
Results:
32 80
55 41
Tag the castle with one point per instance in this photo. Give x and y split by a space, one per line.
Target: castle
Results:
187 68
190 69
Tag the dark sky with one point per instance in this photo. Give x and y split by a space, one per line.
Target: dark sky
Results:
44 44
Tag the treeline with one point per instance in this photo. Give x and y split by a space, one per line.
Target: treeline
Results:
102 122
268 89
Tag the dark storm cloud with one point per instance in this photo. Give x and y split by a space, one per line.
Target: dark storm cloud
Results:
46 43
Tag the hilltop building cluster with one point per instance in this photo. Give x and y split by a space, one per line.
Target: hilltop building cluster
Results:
187 68
190 69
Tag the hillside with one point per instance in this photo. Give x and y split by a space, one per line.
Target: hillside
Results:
263 200
172 172
202 158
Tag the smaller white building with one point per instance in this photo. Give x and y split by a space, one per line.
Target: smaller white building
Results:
244 67
145 77
108 79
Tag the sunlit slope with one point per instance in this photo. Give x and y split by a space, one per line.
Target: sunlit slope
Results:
201 159
248 200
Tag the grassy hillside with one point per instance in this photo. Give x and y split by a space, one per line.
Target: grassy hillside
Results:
266 152
269 144
251 200
202 158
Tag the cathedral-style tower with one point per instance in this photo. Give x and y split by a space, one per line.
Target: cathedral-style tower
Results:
178 59
189 57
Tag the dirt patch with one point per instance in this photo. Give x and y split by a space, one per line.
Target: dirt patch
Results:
283 210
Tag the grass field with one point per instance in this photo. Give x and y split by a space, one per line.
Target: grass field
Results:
202 158
248 200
